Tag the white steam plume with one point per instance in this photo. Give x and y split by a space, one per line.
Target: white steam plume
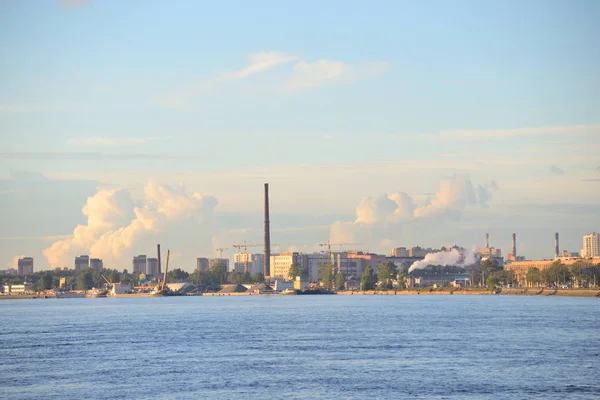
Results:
452 258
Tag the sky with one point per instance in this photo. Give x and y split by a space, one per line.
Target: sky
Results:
382 124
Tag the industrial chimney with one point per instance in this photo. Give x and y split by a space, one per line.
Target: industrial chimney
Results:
267 270
487 240
514 245
158 250
556 251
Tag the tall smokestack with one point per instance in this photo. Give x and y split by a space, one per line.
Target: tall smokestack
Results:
514 245
487 240
267 270
556 251
158 250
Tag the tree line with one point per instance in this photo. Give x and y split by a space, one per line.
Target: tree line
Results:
581 273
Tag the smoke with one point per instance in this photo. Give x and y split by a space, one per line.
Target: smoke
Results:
452 258
115 224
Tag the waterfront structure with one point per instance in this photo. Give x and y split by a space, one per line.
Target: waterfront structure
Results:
151 266
591 245
25 266
96 263
216 261
202 264
17 289
139 264
82 262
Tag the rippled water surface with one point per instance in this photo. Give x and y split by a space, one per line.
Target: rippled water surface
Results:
301 347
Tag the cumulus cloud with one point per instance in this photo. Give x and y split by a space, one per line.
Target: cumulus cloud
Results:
15 261
388 215
557 170
115 223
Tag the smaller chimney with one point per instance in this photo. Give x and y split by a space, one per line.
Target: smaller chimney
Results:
556 251
514 245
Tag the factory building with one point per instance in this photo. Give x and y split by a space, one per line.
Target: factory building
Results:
25 266
281 263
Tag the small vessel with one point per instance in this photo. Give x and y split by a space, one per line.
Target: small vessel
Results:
289 291
69 295
97 293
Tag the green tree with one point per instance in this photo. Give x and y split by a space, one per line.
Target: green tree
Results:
246 277
178 275
401 277
46 281
533 277
368 279
339 281
491 281
220 271
84 281
234 277
326 275
258 277
386 274
114 276
297 270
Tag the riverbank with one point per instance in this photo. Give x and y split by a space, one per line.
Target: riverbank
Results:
410 292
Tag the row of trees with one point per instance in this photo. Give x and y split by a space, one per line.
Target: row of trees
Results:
579 273
387 273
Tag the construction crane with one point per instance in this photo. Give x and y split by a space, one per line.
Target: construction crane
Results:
221 250
245 246
329 244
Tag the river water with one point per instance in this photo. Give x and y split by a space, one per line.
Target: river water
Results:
301 347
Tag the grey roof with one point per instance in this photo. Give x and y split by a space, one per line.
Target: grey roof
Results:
233 288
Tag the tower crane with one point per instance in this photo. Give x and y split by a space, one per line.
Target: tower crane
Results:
329 244
221 250
245 246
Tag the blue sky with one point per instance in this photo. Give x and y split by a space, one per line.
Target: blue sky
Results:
331 103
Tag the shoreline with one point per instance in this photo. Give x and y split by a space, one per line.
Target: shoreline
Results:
540 292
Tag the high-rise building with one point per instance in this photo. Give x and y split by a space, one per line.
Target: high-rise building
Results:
591 245
96 263
25 266
202 264
82 262
254 262
139 264
281 263
151 266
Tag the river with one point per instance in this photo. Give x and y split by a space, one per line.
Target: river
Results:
301 347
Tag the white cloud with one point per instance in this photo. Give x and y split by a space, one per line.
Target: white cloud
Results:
15 261
386 216
115 224
112 141
322 72
260 62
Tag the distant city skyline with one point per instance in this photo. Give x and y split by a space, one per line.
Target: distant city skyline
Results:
119 134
